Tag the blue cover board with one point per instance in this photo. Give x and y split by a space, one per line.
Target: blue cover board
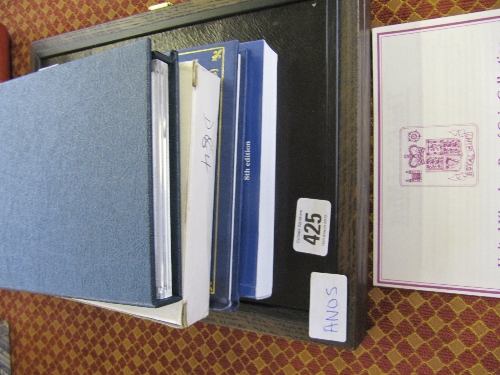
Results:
76 214
222 60
251 163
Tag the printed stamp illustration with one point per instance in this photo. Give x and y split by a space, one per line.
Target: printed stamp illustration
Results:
441 155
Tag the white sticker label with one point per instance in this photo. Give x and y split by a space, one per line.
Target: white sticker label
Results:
312 226
328 307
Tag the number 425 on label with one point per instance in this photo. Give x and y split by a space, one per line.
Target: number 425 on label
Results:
312 226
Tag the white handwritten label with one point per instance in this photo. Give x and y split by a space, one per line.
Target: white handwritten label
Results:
312 226
328 307
207 142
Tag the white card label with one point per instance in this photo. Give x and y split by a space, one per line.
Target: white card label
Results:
328 307
312 226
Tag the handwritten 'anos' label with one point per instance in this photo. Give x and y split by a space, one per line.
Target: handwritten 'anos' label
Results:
328 307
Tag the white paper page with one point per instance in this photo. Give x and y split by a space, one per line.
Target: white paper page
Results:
265 259
437 154
200 180
170 314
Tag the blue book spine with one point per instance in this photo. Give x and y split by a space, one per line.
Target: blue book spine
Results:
222 60
256 247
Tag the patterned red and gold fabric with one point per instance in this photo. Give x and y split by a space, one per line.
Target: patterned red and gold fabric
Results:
409 332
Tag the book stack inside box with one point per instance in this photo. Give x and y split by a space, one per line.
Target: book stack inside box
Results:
279 205
149 186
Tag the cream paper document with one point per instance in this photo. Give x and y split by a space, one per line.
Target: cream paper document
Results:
437 154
